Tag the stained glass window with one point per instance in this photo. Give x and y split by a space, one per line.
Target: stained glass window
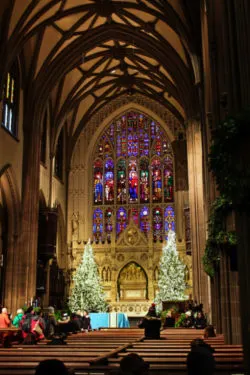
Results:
98 224
144 181
98 182
10 101
156 181
133 176
144 220
133 181
108 223
121 182
157 224
109 181
121 220
168 180
169 220
133 215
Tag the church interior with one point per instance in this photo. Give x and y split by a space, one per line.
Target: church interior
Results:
115 128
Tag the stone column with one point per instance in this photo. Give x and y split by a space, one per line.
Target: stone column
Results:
243 234
197 216
30 209
230 317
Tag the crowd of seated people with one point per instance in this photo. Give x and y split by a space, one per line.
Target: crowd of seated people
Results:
192 317
200 360
35 325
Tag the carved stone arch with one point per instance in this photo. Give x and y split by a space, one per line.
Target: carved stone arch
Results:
9 195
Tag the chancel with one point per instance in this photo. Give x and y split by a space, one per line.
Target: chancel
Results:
124 178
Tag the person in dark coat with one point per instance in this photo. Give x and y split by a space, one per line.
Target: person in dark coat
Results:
51 325
151 324
200 321
200 360
86 326
170 320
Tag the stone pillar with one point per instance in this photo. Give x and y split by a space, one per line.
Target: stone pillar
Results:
197 216
230 316
243 234
30 209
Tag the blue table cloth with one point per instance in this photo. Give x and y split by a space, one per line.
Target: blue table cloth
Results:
108 320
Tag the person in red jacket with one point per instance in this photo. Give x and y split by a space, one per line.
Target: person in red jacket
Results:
4 318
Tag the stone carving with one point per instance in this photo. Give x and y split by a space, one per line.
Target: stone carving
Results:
120 257
132 236
132 272
144 257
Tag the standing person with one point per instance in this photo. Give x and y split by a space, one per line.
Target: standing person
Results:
17 319
51 324
25 323
4 318
151 324
37 325
86 321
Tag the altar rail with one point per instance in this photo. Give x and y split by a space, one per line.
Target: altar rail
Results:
132 309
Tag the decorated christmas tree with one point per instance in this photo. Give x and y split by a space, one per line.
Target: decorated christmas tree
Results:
171 280
87 292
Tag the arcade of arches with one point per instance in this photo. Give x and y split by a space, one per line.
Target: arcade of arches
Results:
107 114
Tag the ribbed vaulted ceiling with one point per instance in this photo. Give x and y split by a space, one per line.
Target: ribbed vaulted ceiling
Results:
83 54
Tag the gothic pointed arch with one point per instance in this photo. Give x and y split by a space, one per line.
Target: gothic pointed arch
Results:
11 210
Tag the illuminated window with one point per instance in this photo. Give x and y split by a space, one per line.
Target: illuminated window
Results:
133 177
10 101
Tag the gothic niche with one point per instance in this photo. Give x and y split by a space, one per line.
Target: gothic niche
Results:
106 274
132 283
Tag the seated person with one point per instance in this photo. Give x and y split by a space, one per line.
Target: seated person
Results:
86 326
201 343
52 367
200 360
209 332
200 321
188 322
17 319
64 324
4 318
151 323
134 364
170 320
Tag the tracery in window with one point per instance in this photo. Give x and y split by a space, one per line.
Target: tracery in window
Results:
133 174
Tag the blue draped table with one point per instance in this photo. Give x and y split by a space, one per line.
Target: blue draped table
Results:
109 320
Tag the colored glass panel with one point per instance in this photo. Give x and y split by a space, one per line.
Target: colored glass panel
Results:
98 224
156 181
121 182
121 220
98 182
133 215
109 181
169 220
157 224
144 220
133 181
144 181
168 180
108 223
